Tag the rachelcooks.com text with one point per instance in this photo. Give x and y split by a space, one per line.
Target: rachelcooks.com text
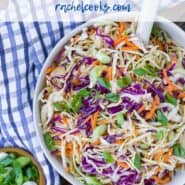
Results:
101 7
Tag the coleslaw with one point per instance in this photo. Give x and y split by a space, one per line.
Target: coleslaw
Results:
113 109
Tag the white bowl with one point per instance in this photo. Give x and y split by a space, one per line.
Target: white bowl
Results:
174 31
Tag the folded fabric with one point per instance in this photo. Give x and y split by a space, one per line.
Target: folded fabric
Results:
23 50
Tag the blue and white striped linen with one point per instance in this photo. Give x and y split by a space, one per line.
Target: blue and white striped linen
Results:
23 50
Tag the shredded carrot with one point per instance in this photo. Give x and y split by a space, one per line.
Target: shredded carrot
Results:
174 61
141 109
123 164
128 44
168 155
122 27
181 95
168 81
158 155
69 145
69 149
151 113
120 40
129 48
96 62
94 119
49 69
84 143
170 85
161 181
97 142
159 43
170 89
75 82
119 142
108 70
64 120
104 122
158 169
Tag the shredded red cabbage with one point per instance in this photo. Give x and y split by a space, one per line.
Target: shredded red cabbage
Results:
130 105
165 109
149 182
88 168
135 89
112 138
106 38
127 104
84 82
69 84
85 126
155 91
88 60
129 178
181 81
101 89
116 109
58 129
89 106
55 119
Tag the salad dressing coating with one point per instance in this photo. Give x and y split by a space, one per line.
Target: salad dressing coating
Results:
113 109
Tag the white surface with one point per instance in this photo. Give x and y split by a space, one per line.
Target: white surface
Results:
44 10
163 3
146 19
175 32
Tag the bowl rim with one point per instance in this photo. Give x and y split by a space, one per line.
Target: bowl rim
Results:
123 16
23 152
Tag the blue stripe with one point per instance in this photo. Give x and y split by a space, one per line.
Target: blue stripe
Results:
50 33
73 25
28 90
37 65
61 29
27 60
52 175
37 27
6 81
18 86
2 141
34 76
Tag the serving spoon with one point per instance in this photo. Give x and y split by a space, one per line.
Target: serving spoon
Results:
146 19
